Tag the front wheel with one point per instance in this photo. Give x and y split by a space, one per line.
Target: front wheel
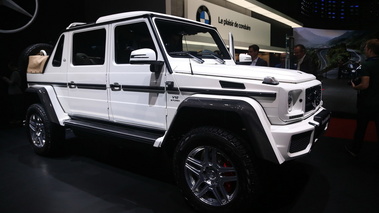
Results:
44 136
214 171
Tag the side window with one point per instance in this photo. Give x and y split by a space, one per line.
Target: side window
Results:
131 37
57 60
89 48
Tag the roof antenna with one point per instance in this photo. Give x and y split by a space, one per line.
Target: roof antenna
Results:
189 60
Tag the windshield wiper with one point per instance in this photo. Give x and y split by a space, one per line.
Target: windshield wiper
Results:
210 53
197 59
218 59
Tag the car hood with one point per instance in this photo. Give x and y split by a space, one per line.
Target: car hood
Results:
245 72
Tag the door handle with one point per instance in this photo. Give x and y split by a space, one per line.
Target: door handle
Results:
115 87
72 85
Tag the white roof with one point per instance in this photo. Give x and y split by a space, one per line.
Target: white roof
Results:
126 15
118 16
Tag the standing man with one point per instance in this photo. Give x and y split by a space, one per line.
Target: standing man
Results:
368 96
304 62
253 52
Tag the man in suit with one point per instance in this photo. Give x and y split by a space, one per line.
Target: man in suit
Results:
304 62
253 52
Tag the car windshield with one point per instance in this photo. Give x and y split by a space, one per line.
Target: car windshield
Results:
186 40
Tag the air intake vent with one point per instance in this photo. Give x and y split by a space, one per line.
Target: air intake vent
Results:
232 85
300 141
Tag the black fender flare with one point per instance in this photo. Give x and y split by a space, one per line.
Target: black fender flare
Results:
257 137
44 99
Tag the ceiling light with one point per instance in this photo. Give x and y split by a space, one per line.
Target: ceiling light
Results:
264 10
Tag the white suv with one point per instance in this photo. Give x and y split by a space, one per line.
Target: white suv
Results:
171 83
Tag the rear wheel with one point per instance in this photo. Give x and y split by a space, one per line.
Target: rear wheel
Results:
44 136
215 171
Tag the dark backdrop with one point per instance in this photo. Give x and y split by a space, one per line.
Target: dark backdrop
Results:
53 17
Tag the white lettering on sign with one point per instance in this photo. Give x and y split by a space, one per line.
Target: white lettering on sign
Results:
229 22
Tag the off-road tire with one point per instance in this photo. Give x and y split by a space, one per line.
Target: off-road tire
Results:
211 162
44 136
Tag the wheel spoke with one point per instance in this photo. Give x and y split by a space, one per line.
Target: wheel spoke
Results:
213 155
193 165
207 155
200 193
220 195
37 132
227 179
227 174
32 126
228 169
196 188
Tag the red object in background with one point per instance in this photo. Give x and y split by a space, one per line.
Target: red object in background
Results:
345 128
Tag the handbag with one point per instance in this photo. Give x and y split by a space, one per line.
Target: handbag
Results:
36 63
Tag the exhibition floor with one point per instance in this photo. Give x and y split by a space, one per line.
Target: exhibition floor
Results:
98 177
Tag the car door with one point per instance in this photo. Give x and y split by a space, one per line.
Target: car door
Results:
87 74
57 71
137 95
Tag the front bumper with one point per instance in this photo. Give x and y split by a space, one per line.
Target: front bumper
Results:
294 140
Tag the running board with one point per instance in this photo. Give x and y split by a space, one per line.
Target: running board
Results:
104 128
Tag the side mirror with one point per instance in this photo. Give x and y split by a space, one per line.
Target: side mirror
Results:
146 56
244 58
143 56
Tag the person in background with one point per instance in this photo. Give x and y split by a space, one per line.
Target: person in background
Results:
304 62
253 52
282 63
15 95
368 96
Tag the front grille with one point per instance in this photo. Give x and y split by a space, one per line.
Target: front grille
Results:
313 98
300 141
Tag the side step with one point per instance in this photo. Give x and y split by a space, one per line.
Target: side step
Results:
120 131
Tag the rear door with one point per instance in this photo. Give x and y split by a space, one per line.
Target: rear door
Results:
87 74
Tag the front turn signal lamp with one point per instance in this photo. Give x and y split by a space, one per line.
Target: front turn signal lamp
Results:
270 80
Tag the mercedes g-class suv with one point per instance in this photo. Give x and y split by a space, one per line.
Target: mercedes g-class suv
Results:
172 83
